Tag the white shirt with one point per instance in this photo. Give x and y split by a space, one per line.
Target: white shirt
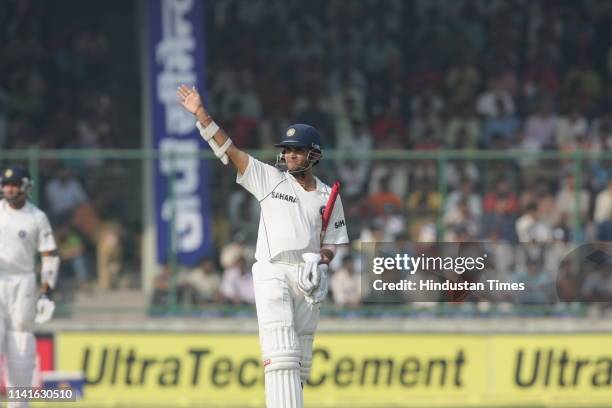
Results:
290 221
486 104
529 229
603 206
23 233
540 131
569 130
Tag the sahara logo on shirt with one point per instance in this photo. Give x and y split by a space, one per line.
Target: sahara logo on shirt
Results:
285 197
339 224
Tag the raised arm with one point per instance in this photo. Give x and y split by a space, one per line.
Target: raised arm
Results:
191 101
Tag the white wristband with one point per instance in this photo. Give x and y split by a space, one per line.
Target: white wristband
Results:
50 270
209 131
207 134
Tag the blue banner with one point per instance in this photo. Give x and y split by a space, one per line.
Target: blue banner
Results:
176 50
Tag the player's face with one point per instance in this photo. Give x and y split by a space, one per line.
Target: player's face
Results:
296 157
11 191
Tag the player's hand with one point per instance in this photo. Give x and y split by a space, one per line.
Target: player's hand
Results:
308 279
190 99
320 293
44 309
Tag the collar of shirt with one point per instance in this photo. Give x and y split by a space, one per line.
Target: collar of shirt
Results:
7 206
320 186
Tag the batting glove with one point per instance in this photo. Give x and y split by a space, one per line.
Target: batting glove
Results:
308 277
320 292
44 309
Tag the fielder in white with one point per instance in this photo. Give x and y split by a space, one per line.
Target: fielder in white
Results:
290 275
24 231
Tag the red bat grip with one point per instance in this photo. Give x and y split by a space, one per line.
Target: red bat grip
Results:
330 204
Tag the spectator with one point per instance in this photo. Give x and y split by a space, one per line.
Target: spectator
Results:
531 228
397 172
468 196
582 84
64 193
379 54
540 81
462 224
389 129
495 102
426 121
345 284
315 114
498 224
462 129
504 195
601 133
107 238
242 210
272 126
597 286
540 128
384 201
355 168
72 253
161 286
539 286
501 126
202 284
237 284
571 129
424 199
565 204
603 204
244 130
459 172
462 81
603 213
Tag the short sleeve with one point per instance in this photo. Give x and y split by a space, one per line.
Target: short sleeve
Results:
336 233
46 241
259 178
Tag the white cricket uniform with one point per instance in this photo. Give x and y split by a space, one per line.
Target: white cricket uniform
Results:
23 233
290 224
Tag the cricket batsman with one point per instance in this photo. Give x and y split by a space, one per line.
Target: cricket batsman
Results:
293 249
24 231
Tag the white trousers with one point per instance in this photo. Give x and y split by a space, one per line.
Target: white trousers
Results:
286 328
18 299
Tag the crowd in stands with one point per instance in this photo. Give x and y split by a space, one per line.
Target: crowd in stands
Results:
72 83
422 75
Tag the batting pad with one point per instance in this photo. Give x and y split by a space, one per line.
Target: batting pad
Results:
20 358
280 348
281 353
283 389
306 357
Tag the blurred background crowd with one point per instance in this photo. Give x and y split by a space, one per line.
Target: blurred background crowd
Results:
371 75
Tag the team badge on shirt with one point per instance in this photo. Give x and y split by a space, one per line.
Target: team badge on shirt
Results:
22 234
